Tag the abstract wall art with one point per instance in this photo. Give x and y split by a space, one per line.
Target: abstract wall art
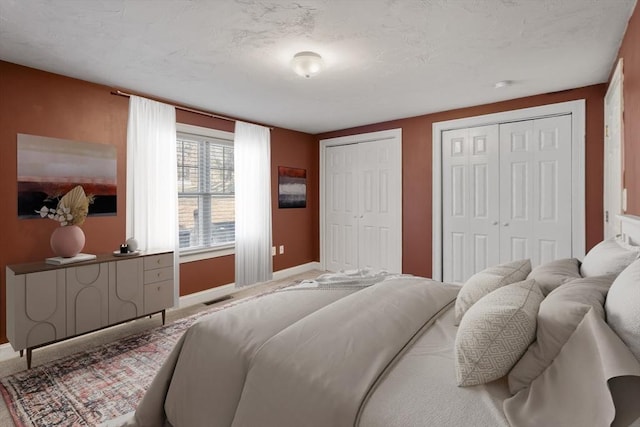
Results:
292 187
50 167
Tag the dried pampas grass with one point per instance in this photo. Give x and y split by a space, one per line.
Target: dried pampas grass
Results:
78 204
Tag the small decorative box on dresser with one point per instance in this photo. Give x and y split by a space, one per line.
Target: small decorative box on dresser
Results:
48 303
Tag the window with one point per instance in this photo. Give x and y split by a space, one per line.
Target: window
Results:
206 200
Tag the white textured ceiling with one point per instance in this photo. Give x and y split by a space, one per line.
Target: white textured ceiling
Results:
385 59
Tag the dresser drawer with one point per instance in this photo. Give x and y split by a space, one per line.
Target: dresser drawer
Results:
158 275
158 296
158 261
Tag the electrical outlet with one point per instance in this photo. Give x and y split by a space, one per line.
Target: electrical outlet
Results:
273 251
281 249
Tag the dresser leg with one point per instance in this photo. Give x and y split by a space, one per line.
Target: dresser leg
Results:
29 350
163 316
21 353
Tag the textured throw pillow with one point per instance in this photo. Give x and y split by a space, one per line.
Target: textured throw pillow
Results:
558 317
489 279
623 307
610 256
555 273
495 332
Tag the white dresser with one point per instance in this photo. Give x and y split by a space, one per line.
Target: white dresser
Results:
48 303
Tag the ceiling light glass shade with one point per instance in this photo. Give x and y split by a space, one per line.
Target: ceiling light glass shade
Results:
306 64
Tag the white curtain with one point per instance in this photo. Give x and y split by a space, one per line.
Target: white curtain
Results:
252 165
152 195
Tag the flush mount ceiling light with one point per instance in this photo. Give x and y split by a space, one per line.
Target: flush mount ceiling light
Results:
307 64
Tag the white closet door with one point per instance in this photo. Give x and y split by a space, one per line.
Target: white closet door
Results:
470 201
341 207
613 155
535 190
380 201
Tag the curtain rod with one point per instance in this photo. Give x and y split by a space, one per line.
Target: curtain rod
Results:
190 110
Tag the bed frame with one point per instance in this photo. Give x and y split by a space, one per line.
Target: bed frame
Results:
630 229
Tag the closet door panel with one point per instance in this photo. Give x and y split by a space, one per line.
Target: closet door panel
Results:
535 190
342 207
470 201
484 197
454 205
552 189
380 170
516 188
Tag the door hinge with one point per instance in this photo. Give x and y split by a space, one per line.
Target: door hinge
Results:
606 217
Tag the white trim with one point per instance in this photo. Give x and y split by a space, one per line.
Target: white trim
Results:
391 134
206 295
577 111
203 131
207 254
221 291
7 352
630 228
617 78
212 252
616 86
298 269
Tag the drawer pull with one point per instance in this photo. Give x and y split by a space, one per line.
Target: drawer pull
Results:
158 260
158 274
159 287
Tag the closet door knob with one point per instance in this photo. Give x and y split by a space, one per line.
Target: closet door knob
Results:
494 223
506 224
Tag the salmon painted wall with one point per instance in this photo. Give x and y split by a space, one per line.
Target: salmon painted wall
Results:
417 167
40 103
630 51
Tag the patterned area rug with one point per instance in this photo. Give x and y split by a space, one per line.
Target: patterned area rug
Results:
91 387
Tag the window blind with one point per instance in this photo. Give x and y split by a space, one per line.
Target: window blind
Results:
206 194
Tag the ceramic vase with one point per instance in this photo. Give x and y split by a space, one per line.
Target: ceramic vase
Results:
67 241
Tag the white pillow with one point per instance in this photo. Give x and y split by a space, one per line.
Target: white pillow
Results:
623 307
552 274
610 256
495 332
487 280
558 317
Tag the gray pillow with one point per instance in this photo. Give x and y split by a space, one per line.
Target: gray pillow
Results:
555 273
559 315
487 280
610 256
495 332
623 307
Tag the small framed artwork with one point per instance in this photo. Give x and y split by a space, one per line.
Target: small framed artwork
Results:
292 187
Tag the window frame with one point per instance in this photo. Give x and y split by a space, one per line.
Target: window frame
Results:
220 250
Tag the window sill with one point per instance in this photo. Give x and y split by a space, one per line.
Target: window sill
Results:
202 254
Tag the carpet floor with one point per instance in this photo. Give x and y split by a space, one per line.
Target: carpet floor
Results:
105 381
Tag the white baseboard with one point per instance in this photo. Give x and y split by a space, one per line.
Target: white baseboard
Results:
298 269
206 295
7 352
221 291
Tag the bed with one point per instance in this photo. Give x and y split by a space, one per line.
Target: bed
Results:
555 345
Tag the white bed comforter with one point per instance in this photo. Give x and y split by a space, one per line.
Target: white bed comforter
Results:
376 356
291 358
318 371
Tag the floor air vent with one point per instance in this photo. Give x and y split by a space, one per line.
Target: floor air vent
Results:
217 300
